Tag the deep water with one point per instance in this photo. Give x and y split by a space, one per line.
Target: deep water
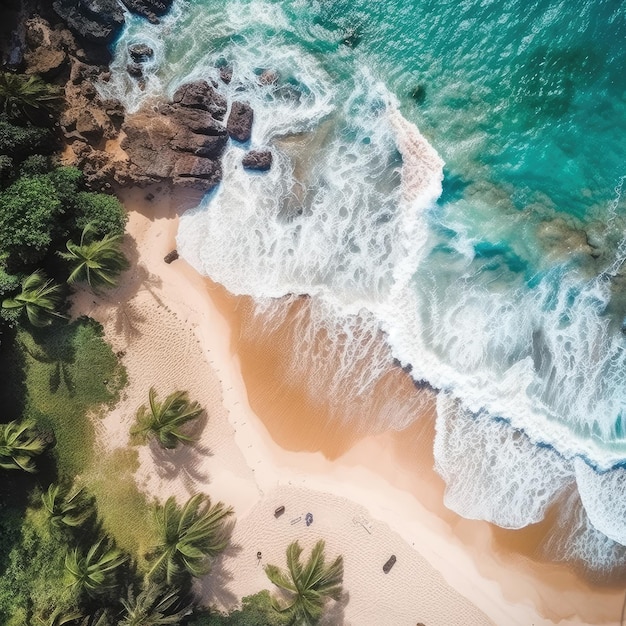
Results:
497 277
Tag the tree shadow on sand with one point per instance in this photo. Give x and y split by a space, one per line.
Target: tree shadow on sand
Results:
335 612
213 587
184 461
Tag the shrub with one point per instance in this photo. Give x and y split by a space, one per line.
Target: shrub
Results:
35 164
20 141
105 213
255 610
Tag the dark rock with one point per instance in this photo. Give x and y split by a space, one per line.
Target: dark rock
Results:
114 109
260 160
140 52
226 74
98 21
210 146
240 120
135 70
189 166
149 8
200 95
171 256
391 561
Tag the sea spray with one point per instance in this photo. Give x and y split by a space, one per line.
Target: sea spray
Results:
354 224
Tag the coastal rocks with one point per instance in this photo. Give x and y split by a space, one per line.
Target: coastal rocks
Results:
98 21
170 257
46 50
260 160
179 142
150 9
226 74
268 77
140 52
200 95
239 124
135 70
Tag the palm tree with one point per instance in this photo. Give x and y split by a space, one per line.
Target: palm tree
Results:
21 95
94 572
309 586
40 298
20 444
163 420
156 605
190 535
98 262
60 618
65 510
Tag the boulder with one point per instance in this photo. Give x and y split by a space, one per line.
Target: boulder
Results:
150 9
200 95
189 166
47 48
196 120
140 52
240 120
226 74
268 77
171 256
88 126
260 160
135 70
210 146
97 21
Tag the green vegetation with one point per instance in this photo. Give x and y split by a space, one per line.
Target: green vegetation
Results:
256 610
23 96
309 585
97 262
20 445
156 605
39 299
96 571
65 509
189 536
163 420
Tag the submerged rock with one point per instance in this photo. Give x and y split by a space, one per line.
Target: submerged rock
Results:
140 52
260 160
240 120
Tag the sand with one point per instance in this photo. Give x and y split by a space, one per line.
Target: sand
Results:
371 494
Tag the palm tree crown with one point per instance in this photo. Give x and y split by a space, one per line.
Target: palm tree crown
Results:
98 262
21 95
164 419
66 510
94 572
40 298
309 585
190 535
20 444
156 605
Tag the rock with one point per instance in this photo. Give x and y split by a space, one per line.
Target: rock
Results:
98 21
200 95
210 146
47 48
171 256
88 126
240 120
226 74
135 70
260 160
196 120
268 77
114 109
140 52
149 8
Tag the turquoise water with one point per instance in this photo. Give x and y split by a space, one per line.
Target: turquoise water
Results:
497 277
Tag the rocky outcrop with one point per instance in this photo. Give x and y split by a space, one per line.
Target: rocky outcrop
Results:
180 142
240 120
47 48
151 9
98 21
260 160
140 52
200 95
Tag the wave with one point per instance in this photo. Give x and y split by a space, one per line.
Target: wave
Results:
531 371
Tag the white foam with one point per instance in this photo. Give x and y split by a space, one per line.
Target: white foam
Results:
492 471
602 495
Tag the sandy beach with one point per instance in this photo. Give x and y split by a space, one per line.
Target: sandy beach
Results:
371 493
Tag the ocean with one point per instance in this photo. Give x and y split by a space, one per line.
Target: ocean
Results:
448 174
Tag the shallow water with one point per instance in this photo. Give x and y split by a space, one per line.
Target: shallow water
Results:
496 277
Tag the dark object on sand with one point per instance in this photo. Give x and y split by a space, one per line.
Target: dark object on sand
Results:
389 564
279 511
258 555
308 518
171 256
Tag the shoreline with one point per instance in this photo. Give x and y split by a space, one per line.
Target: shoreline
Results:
371 474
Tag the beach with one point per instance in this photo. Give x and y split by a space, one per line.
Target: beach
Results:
371 493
